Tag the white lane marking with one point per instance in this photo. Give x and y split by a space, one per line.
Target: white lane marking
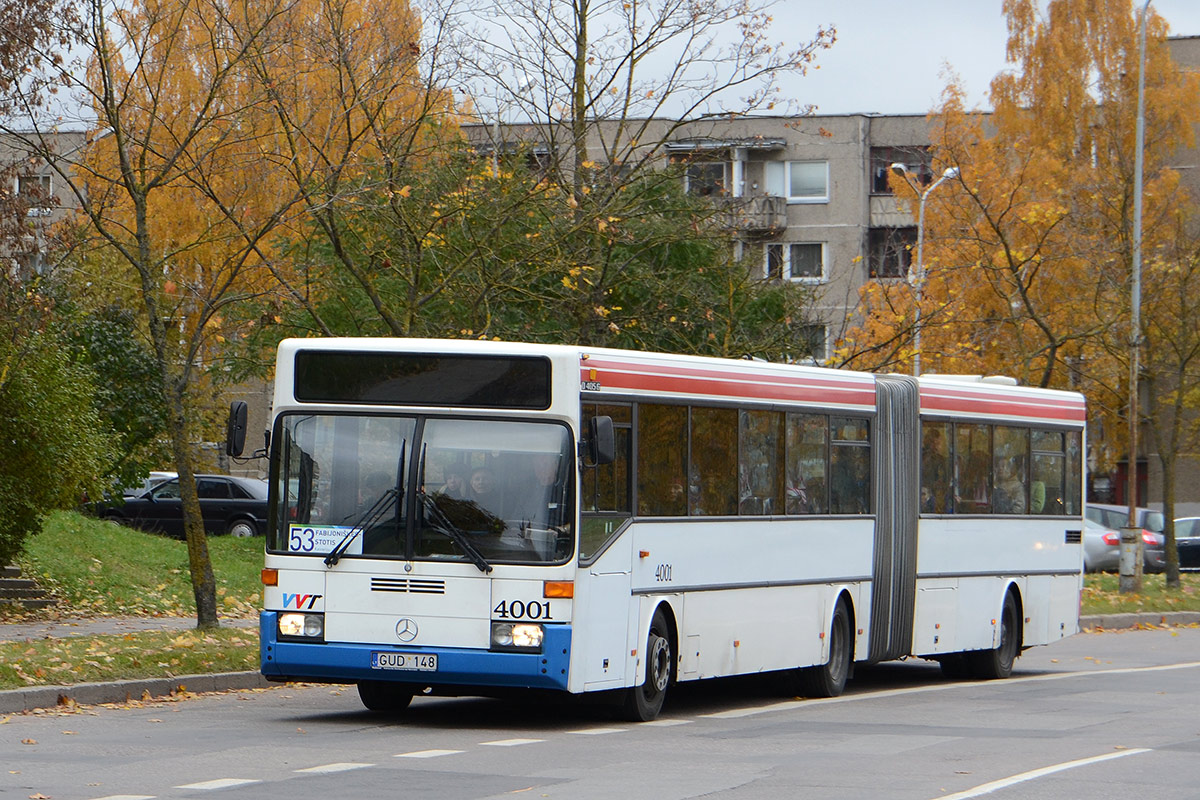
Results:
127 797
343 766
511 742
1003 783
219 783
666 723
738 713
596 731
427 753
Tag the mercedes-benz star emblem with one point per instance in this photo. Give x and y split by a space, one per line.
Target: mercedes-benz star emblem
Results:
406 630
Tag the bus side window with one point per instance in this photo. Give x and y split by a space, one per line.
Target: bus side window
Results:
972 469
604 490
661 460
1047 489
935 468
849 467
807 463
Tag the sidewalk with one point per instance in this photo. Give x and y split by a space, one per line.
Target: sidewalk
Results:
18 700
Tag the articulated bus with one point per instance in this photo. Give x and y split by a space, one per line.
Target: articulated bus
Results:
467 517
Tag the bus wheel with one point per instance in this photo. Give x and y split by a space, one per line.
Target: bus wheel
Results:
384 696
642 703
829 679
998 663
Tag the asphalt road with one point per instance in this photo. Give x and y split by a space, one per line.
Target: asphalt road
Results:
1110 715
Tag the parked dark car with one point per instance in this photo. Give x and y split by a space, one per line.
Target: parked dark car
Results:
233 505
1187 542
1154 541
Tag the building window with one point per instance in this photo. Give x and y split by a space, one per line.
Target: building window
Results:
705 178
916 159
808 181
800 261
813 338
890 251
35 185
35 191
798 181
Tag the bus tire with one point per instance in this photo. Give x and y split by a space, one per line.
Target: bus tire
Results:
643 703
998 662
384 696
829 679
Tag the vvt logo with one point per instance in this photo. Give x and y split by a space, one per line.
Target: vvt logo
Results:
303 602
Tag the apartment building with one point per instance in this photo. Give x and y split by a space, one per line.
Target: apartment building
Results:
32 191
806 199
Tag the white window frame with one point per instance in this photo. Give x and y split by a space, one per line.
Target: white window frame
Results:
777 179
785 270
787 182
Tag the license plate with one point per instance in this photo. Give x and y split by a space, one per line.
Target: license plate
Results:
409 662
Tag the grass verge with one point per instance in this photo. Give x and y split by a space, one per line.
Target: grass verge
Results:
1101 595
154 654
94 567
97 569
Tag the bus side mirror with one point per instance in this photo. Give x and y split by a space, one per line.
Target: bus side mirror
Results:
235 429
602 441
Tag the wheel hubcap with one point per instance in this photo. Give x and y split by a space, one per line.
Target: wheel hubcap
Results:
659 664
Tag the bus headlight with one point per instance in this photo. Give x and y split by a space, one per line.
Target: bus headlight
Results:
302 626
517 635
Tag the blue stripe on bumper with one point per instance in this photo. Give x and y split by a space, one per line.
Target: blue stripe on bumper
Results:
339 662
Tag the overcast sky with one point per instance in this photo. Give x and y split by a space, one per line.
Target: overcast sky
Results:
858 75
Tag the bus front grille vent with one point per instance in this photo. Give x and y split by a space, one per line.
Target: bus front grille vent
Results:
1074 537
408 585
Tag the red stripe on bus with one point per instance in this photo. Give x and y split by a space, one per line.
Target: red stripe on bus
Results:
1025 408
866 385
725 385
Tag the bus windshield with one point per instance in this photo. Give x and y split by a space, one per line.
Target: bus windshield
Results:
424 488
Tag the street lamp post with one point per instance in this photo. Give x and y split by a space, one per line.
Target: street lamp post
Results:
916 276
1131 536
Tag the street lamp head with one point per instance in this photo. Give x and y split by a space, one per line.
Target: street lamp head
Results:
899 169
951 173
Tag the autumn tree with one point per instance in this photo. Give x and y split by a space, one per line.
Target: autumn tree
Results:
1171 359
168 183
471 252
601 87
1029 252
356 97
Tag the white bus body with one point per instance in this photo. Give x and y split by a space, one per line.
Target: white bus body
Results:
795 528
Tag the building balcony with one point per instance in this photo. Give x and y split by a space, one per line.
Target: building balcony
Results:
764 215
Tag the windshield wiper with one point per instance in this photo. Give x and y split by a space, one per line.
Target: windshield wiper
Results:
372 514
366 520
444 526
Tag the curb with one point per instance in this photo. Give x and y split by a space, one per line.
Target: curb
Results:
1135 620
18 700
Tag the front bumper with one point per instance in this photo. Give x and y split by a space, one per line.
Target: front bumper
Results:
343 662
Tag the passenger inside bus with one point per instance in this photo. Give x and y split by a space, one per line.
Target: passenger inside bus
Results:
483 489
540 499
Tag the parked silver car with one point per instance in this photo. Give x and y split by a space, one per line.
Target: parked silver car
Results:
1101 547
1153 522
